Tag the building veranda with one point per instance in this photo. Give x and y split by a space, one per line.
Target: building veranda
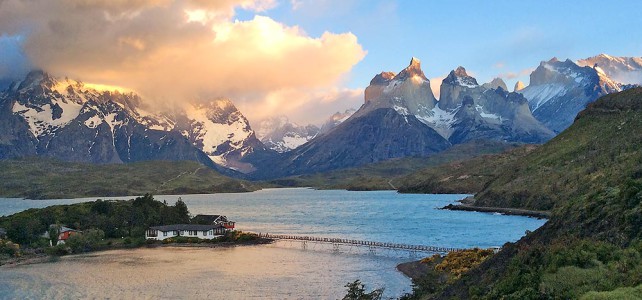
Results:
207 232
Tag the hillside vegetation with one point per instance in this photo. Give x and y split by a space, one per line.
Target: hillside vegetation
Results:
462 176
591 248
39 178
603 148
386 175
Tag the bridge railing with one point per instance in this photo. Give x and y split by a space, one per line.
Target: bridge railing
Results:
360 243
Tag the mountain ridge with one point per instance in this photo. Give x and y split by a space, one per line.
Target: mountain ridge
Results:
68 120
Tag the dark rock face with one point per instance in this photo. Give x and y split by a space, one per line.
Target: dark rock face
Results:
511 123
459 76
488 112
15 138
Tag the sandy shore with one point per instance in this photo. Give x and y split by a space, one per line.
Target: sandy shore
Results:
43 258
25 260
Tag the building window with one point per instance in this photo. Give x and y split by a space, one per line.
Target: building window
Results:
205 232
164 233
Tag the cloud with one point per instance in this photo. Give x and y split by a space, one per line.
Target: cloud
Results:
304 106
172 51
513 75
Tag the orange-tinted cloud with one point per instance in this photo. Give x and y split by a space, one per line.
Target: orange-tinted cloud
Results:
513 75
177 50
306 106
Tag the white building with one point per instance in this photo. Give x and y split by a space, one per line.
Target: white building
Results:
187 230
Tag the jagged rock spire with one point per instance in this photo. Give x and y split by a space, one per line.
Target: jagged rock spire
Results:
460 72
460 77
496 83
413 69
519 86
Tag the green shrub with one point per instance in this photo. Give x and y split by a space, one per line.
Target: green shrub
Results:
86 241
9 248
571 282
625 293
58 250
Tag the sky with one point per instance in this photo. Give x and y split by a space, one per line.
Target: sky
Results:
303 59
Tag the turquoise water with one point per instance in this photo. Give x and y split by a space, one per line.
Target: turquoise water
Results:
285 269
383 216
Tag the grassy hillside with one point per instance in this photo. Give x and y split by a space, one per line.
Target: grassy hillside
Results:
602 148
385 175
38 178
591 248
462 176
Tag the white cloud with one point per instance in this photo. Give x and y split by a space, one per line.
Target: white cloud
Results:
513 75
305 106
176 50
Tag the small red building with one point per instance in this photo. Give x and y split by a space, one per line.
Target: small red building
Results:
63 234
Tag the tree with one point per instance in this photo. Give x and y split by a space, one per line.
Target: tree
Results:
54 232
357 291
182 213
86 241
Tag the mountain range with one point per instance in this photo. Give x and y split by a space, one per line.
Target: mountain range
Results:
69 120
625 70
558 90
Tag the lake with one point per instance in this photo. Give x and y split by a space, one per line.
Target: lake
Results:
281 271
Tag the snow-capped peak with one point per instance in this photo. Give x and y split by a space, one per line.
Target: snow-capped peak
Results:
625 70
281 135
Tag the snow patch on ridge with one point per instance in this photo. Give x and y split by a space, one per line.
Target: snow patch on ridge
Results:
93 122
213 134
292 142
486 115
466 83
41 120
540 94
440 120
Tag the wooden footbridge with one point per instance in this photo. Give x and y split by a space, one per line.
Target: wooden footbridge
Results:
370 244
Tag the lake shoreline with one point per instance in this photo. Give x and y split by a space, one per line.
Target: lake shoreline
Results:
468 204
45 258
413 269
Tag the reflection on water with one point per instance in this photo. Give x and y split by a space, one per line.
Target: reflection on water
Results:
266 272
